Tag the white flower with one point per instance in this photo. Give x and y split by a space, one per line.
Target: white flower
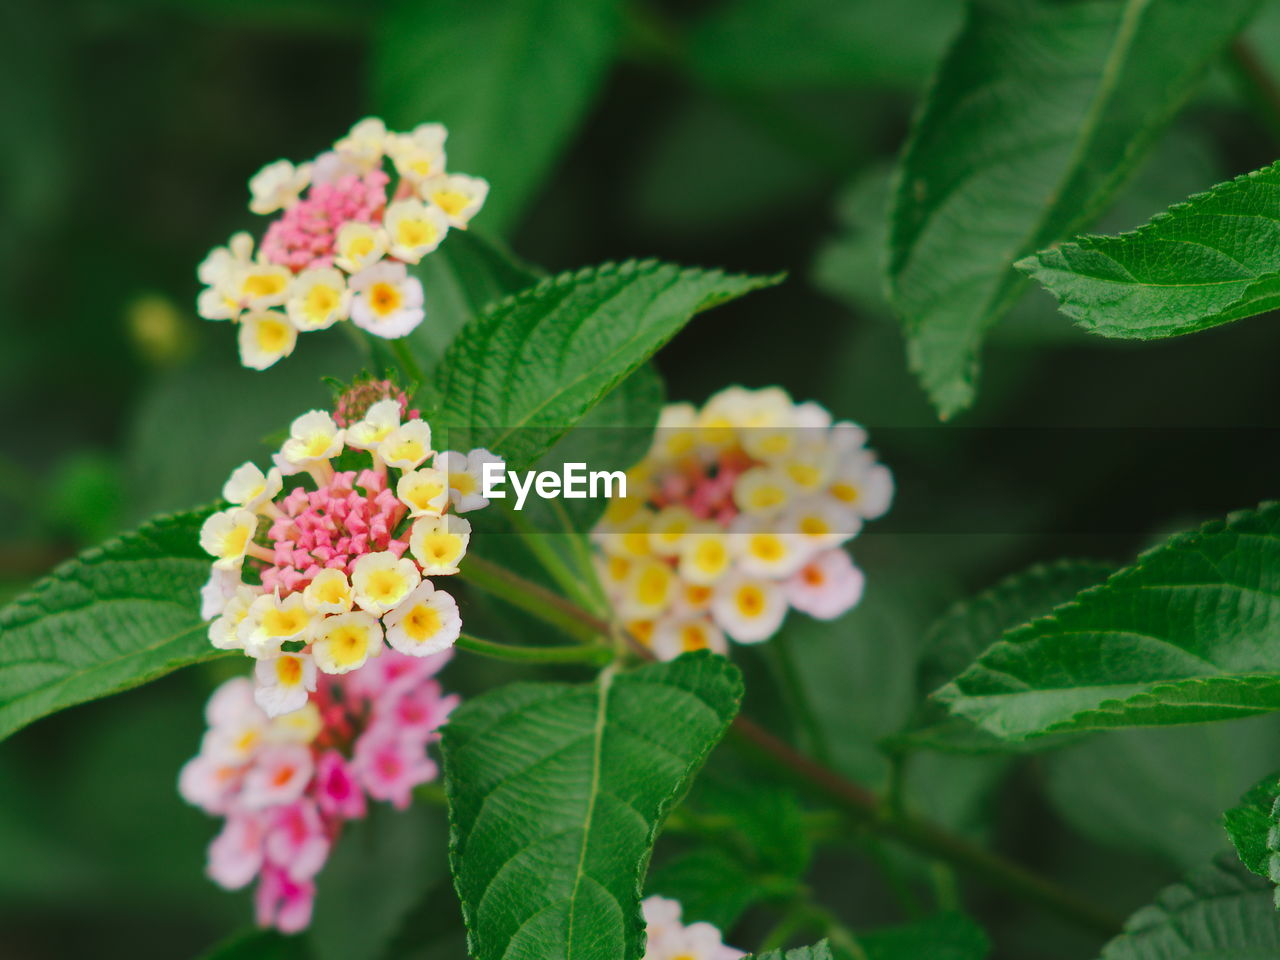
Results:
748 609
261 285
272 622
647 591
675 437
767 549
331 166
673 636
413 229
250 488
861 483
669 528
283 682
407 446
381 581
419 155
704 557
364 145
220 272
668 939
313 439
319 299
388 302
426 622
224 632
763 491
379 420
821 521
424 492
827 586
359 245
466 477
457 196
218 591
328 592
277 186
439 543
265 337
226 535
344 642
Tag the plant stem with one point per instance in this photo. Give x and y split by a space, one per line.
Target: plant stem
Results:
932 839
533 598
404 356
571 653
1259 86
797 699
862 803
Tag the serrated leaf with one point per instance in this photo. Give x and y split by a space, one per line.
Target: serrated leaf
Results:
517 378
1039 111
511 79
1188 632
1219 913
556 793
1250 823
946 936
459 280
1204 262
113 618
969 627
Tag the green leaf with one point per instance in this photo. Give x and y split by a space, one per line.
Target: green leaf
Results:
968 628
459 280
1037 114
1250 823
1199 264
752 44
1188 632
1161 791
946 936
511 79
518 377
1218 913
556 793
115 617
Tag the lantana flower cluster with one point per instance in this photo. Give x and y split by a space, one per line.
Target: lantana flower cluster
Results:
287 785
669 939
344 234
312 577
739 513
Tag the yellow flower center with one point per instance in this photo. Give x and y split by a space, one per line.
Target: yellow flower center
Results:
415 233
263 284
385 299
422 623
273 336
288 671
451 201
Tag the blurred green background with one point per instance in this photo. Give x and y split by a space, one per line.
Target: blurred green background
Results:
749 134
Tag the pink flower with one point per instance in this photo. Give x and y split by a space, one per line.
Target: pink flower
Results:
236 854
390 766
209 783
297 840
336 791
827 586
279 775
304 235
282 902
417 713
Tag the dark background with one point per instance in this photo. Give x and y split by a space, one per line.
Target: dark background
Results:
745 134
